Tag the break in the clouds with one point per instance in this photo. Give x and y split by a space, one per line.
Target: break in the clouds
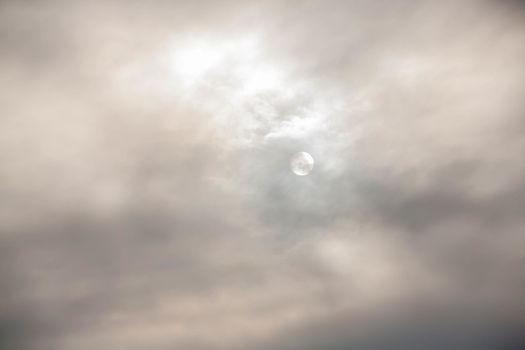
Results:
147 200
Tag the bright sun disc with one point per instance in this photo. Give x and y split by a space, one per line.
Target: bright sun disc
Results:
301 163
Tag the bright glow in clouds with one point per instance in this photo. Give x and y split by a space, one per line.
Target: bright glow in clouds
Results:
238 77
194 61
237 65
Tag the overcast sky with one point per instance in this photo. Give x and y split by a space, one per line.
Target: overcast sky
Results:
146 198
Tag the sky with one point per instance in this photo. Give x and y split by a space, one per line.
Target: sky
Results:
146 196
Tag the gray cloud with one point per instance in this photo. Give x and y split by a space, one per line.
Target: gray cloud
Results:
147 200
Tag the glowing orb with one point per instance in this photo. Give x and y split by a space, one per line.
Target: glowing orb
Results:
301 163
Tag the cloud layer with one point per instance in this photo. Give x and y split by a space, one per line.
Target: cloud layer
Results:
146 199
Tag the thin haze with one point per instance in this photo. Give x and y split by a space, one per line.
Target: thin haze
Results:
146 198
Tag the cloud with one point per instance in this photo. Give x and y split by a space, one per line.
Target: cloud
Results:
147 200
